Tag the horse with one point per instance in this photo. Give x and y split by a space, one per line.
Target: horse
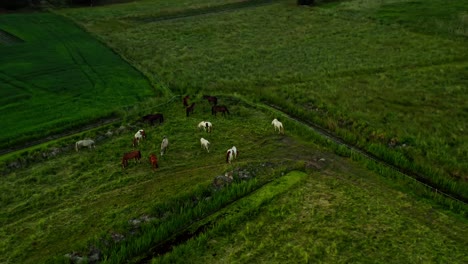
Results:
139 135
205 125
136 154
190 109
164 145
154 161
185 100
205 144
85 143
219 108
151 118
278 126
231 154
211 99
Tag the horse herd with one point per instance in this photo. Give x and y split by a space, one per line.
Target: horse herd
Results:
231 154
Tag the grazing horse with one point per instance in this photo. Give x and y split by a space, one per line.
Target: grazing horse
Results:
151 118
205 144
164 145
189 110
231 154
85 143
136 154
278 126
154 161
211 99
139 135
205 125
219 108
185 100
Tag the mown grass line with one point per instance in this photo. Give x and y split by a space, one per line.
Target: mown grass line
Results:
203 11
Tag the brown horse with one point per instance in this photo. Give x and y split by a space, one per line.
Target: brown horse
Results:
189 110
185 100
151 118
211 99
136 154
219 108
154 161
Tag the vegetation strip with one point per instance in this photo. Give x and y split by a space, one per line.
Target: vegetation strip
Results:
205 11
409 174
233 210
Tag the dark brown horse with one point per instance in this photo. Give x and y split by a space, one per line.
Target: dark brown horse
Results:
185 100
219 108
189 110
136 154
151 118
211 99
154 161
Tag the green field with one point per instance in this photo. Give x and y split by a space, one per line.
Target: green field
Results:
330 210
59 78
388 76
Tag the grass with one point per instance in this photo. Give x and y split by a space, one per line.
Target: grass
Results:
57 69
331 217
350 67
57 206
337 65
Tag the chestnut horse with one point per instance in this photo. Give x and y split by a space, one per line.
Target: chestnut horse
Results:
151 118
154 161
136 154
190 109
211 99
219 108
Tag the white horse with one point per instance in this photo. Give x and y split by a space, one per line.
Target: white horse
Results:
164 145
278 126
139 135
205 125
208 126
231 154
85 143
205 144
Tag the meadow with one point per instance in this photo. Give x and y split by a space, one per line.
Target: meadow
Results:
369 72
58 78
389 77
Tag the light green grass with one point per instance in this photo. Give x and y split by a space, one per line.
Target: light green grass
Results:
58 78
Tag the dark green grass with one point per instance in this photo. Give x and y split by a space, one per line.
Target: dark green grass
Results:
58 78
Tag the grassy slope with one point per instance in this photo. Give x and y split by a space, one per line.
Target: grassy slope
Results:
57 70
394 77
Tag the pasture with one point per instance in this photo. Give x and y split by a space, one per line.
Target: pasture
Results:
388 76
371 74
74 203
58 78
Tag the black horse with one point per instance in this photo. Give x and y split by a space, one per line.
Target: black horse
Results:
219 108
151 118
